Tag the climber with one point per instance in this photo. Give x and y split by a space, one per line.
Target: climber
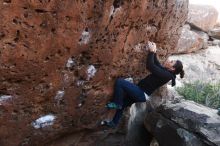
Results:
127 93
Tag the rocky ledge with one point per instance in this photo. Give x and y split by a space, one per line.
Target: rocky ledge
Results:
185 123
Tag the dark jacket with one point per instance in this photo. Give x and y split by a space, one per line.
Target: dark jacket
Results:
158 77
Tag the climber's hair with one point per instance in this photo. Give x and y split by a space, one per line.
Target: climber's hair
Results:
178 66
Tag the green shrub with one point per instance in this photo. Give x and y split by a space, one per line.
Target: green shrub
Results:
204 93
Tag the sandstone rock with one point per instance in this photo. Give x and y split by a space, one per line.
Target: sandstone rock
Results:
77 48
184 124
136 132
191 41
204 37
214 3
214 42
202 16
215 32
203 65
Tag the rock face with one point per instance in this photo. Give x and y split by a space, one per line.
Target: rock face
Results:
59 59
199 26
203 66
202 16
184 124
215 32
191 41
137 134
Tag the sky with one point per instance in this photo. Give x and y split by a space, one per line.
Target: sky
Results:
215 3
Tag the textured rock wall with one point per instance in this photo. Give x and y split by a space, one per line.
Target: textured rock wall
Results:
191 41
185 123
137 133
199 29
59 59
202 16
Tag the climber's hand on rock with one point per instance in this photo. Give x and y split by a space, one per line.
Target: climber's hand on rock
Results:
152 47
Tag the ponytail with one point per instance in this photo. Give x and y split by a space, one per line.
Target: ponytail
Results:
182 73
178 66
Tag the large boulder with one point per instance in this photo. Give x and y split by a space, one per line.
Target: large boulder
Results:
203 66
214 3
59 60
215 32
137 135
184 124
202 16
191 41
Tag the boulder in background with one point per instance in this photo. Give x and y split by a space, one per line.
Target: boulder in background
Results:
191 41
202 16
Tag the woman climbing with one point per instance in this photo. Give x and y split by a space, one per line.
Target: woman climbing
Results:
126 93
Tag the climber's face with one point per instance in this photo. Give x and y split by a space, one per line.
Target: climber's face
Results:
168 64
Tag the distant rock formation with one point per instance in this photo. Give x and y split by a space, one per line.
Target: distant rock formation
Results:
199 27
203 66
191 41
215 32
202 16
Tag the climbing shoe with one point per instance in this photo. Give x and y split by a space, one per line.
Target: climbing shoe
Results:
109 124
112 105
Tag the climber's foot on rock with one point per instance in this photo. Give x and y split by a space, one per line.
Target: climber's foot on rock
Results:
112 105
109 124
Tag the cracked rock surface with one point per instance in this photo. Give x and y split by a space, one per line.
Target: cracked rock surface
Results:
185 123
